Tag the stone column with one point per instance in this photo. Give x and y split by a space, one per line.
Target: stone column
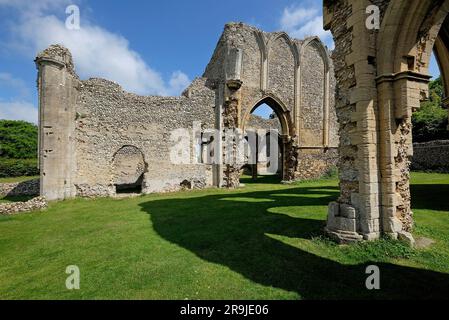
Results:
356 215
399 95
57 86
231 111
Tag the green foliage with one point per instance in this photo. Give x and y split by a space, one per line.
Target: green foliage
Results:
18 140
18 167
431 120
18 149
331 173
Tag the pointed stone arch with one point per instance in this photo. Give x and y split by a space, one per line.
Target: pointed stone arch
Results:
290 42
278 107
288 149
282 69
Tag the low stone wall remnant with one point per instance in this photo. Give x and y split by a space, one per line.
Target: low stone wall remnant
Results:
431 156
38 203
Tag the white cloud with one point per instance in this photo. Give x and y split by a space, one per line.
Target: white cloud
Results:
305 22
19 86
18 110
179 81
292 17
97 52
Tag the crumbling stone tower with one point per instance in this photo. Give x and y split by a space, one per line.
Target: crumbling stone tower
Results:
382 76
57 85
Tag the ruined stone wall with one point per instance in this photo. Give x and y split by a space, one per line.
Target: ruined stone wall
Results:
431 156
256 122
270 73
94 119
314 163
13 208
109 119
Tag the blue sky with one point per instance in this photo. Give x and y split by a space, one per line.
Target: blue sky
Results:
149 47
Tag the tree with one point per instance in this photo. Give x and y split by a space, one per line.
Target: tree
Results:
18 139
431 120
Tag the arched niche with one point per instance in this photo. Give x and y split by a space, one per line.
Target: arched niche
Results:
314 94
281 70
128 169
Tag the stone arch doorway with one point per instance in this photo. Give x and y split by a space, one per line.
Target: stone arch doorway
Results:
382 78
128 168
283 123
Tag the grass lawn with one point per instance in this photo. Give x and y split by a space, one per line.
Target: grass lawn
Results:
262 241
17 179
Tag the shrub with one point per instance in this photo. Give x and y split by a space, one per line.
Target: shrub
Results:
431 120
18 167
18 140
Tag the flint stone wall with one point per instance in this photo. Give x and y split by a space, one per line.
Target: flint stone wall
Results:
315 163
109 119
256 122
38 203
431 156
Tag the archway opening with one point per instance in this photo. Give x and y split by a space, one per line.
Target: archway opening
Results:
128 170
430 126
268 118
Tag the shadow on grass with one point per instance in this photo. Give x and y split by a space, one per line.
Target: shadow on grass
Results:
261 179
16 198
430 196
234 230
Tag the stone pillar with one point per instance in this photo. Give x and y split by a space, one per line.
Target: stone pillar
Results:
57 86
399 95
231 111
356 215
380 82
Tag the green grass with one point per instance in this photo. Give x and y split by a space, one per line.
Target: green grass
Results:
263 241
17 179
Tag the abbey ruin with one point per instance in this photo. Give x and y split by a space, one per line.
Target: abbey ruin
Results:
96 139
354 109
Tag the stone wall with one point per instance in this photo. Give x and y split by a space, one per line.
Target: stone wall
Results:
256 122
315 163
431 156
26 188
12 208
110 119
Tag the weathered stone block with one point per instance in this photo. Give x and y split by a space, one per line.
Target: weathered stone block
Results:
407 238
347 211
333 209
369 226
